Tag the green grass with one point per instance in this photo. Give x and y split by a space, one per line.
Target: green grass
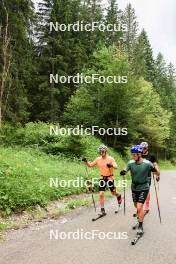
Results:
6 226
25 175
30 156
167 165
32 214
78 203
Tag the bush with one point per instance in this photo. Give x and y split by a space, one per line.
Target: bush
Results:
38 135
27 165
25 178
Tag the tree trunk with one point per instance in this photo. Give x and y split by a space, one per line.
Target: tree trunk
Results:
115 137
6 60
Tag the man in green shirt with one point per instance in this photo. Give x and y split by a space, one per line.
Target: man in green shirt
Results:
140 170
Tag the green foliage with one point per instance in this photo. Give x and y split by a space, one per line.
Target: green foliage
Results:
16 20
113 17
142 58
25 175
154 119
34 52
145 105
77 203
130 36
165 85
105 105
71 146
63 53
38 135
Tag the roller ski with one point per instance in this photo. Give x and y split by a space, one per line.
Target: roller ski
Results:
139 234
135 226
102 214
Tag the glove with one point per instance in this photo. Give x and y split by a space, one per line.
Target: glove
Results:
109 165
158 178
84 159
123 172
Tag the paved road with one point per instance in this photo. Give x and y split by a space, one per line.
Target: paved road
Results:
34 246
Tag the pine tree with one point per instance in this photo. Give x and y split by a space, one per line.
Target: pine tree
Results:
161 79
143 61
129 18
113 17
171 77
63 53
16 20
171 91
91 11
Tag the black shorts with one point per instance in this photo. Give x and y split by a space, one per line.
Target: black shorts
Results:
139 196
105 182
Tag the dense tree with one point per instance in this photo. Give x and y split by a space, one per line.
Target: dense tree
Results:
129 37
104 105
16 19
62 53
143 100
113 17
161 80
143 61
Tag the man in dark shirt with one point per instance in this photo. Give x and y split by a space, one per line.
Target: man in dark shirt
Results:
140 171
146 155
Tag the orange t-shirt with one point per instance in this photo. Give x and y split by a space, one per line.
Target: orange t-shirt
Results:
102 165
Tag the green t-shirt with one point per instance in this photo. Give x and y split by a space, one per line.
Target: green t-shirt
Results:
140 173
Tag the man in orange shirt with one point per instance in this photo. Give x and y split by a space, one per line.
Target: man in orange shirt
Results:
106 165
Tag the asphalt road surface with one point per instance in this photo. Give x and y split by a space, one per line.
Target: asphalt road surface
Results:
35 244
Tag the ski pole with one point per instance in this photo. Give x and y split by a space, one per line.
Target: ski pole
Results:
124 194
94 202
159 213
123 173
90 188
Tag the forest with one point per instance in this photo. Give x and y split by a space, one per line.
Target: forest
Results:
31 52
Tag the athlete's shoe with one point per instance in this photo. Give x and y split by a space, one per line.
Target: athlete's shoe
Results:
103 211
140 231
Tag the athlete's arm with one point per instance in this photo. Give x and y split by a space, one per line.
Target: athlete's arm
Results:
157 168
155 171
125 171
155 164
90 164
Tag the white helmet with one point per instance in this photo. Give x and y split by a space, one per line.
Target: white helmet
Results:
102 148
144 144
